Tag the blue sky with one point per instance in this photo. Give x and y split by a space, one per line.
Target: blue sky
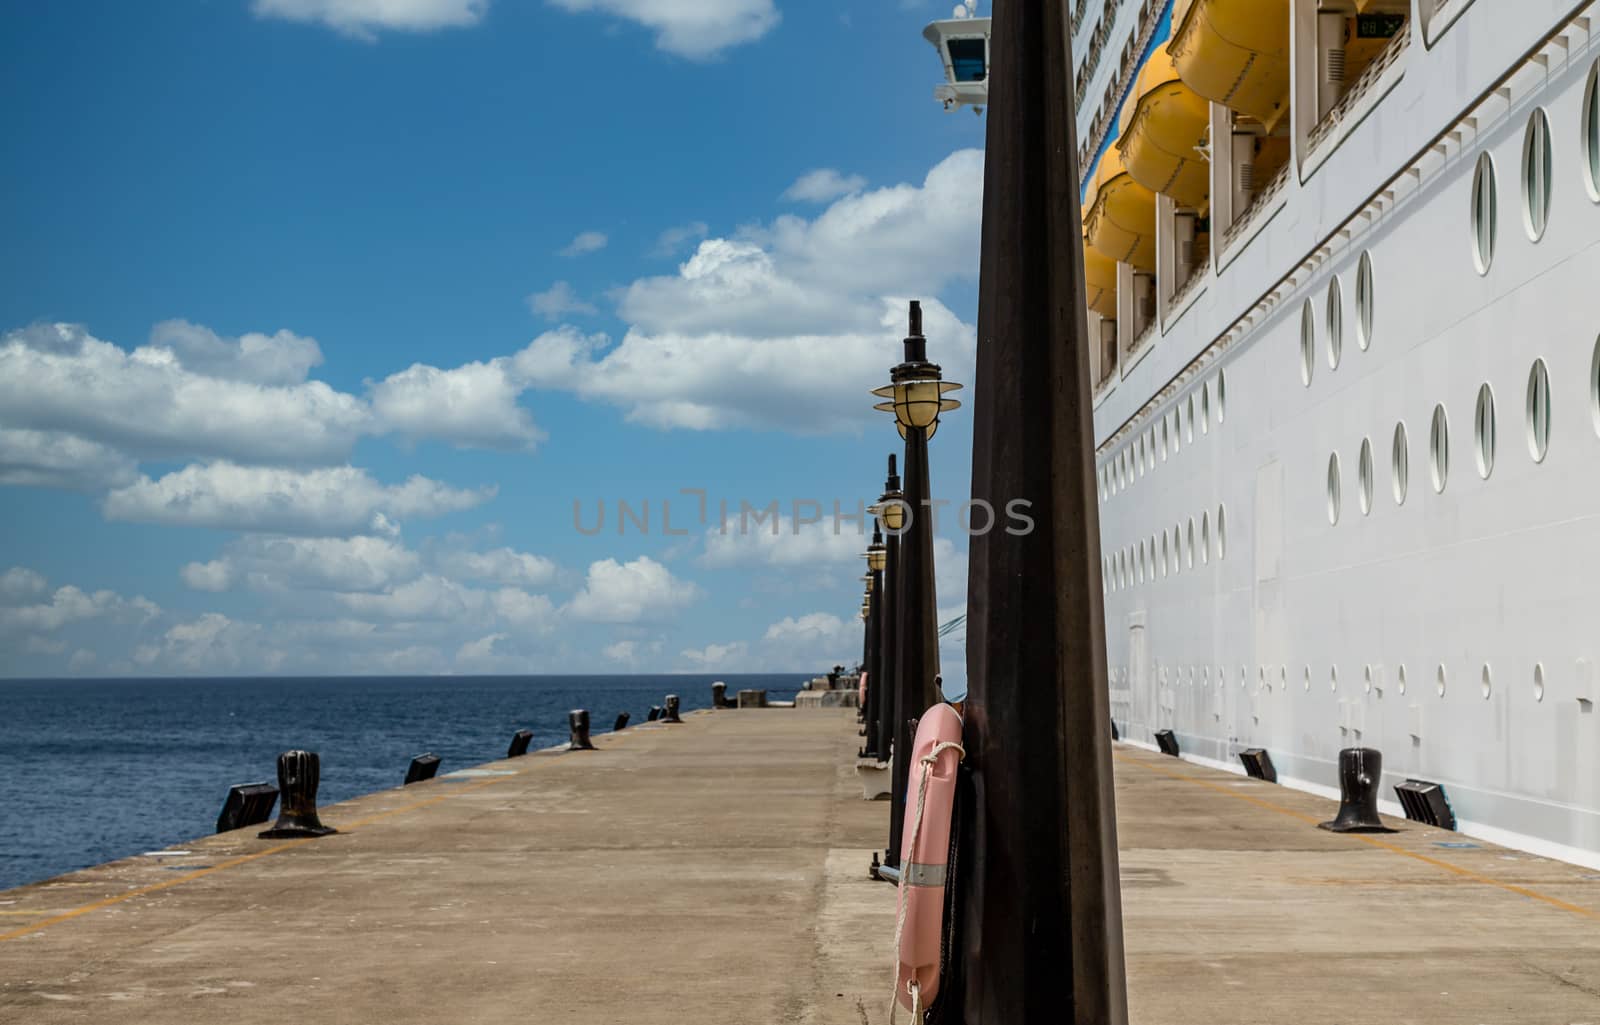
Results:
318 316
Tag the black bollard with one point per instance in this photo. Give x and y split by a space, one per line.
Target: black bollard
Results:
519 743
1114 734
578 724
655 713
621 723
1360 771
248 804
670 711
1167 741
719 695
1258 764
299 774
423 768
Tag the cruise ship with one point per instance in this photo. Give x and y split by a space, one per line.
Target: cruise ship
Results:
1342 267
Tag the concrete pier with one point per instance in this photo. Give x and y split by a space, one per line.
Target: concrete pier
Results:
716 872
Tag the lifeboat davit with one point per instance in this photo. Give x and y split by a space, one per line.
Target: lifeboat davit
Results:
1100 282
1121 214
1236 53
1162 132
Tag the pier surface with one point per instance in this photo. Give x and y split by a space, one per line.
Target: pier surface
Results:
716 872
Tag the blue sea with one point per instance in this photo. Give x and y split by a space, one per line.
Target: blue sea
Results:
94 770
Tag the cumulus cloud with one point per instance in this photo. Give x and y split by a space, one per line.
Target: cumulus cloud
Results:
281 358
673 239
500 566
70 605
779 542
696 29
19 582
363 19
633 592
52 459
212 643
822 185
585 242
625 652
331 501
717 658
557 301
265 563
473 405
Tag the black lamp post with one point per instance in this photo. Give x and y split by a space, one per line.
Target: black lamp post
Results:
915 394
876 555
890 515
1041 913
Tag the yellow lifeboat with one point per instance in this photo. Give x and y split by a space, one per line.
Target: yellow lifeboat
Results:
1236 53
1162 131
1121 214
1100 282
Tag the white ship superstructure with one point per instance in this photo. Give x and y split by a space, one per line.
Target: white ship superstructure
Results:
1343 268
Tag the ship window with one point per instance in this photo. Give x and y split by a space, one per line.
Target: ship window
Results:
1188 429
1166 439
1205 537
1177 547
1205 407
1335 324
1486 682
1189 560
1222 395
1400 458
1439 448
1484 213
1538 411
1538 681
1308 343
1591 132
1364 302
1333 677
1594 386
1222 532
1483 431
1164 553
1364 476
1366 679
1150 448
1536 175
1402 679
967 59
1333 488
1439 680
1308 677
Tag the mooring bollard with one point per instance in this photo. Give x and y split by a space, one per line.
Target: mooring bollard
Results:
578 725
752 699
299 774
655 713
719 695
1167 742
670 712
519 743
247 804
423 768
1360 770
621 723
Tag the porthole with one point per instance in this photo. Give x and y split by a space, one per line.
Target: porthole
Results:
1176 419
1163 553
1177 548
1594 386
1364 476
1283 678
1261 678
1154 570
1205 407
1400 464
1401 679
1189 559
1308 344
1138 457
1439 449
1308 678
1188 427
1335 324
1439 680
1538 682
1333 677
1364 302
1150 448
1485 213
1166 439
1536 175
1538 411
1483 431
1366 679
1205 677
1591 133
1222 532
1486 682
1244 676
1222 396
1205 537
1333 489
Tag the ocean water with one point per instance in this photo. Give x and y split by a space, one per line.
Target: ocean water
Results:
94 770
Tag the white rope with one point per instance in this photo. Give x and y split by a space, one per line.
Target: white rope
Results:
927 762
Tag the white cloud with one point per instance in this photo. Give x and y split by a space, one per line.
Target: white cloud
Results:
362 19
213 643
714 658
822 185
670 241
625 652
328 501
813 545
634 592
265 563
585 242
429 597
70 605
697 29
51 459
558 301
83 659
500 566
481 651
21 582
816 628
283 358
473 405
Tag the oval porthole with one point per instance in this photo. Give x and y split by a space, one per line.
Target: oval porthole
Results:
1150 448
1175 420
1244 676
1222 396
1364 476
1366 679
1364 302
1166 439
1591 133
1189 559
1538 411
1400 464
1335 324
1485 213
1165 549
1483 431
1536 175
1308 343
1333 677
1222 532
1538 681
1205 537
1486 682
1401 679
1205 407
1308 678
1594 386
1188 429
1439 680
1333 488
1439 449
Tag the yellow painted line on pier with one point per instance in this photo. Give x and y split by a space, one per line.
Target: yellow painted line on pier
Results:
456 790
1465 873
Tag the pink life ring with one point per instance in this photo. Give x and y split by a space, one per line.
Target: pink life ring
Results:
925 847
861 691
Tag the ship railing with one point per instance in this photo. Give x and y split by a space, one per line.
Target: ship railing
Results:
1363 84
1183 291
1142 340
1259 204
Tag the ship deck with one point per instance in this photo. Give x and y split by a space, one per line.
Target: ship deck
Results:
716 872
